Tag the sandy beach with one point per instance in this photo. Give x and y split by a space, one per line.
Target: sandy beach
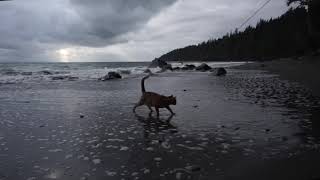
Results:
247 125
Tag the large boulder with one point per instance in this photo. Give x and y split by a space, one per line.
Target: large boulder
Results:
148 71
203 67
188 67
158 63
219 71
167 67
161 64
176 69
111 75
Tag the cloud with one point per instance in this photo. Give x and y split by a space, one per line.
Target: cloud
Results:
188 22
27 27
117 30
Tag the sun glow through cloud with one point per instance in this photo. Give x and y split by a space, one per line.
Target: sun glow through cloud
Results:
65 55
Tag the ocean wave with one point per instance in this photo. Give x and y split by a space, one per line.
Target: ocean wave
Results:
18 73
13 76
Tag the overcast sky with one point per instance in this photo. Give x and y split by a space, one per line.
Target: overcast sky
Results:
117 30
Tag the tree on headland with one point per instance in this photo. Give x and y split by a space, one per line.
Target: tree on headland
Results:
313 24
285 36
301 2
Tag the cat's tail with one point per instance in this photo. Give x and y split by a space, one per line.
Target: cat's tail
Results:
143 89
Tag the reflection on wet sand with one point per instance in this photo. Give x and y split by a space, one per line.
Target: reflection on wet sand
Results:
156 126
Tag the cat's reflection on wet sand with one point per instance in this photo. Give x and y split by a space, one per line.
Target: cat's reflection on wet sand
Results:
156 128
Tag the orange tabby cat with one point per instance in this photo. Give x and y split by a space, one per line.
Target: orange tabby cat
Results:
155 100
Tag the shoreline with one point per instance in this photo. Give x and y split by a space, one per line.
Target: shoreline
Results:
303 70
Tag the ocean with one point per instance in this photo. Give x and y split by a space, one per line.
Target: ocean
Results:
35 72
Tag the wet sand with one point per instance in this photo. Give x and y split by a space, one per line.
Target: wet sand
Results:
303 70
246 125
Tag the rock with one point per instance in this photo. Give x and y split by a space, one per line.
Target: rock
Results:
176 69
188 67
111 75
157 63
148 71
81 116
167 67
161 64
203 67
219 71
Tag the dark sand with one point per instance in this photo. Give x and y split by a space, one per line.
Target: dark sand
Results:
304 70
247 125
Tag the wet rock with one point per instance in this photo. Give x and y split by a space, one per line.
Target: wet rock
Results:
167 67
188 67
161 64
111 75
176 69
148 71
219 71
203 67
158 63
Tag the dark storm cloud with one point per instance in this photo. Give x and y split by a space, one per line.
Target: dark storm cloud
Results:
91 23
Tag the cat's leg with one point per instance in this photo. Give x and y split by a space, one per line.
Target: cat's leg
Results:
168 107
140 103
157 109
150 109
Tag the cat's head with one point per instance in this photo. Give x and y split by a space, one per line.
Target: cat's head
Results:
172 100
